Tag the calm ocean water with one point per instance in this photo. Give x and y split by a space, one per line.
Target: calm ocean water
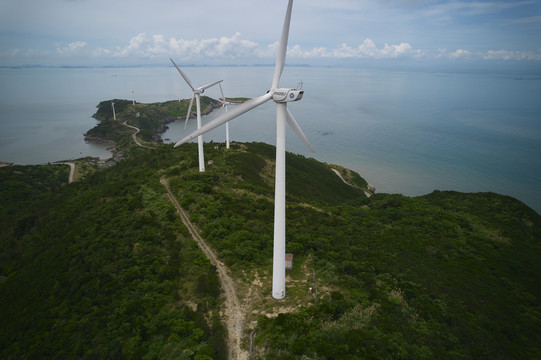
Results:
408 132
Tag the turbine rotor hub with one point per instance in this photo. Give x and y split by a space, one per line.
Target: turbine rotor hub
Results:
286 95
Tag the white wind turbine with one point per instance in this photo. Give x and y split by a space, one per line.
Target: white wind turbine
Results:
114 113
225 104
197 95
281 96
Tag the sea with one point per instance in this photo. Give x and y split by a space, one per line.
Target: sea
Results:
404 131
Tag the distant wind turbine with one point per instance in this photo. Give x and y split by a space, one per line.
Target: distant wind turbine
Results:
197 95
281 96
225 104
114 113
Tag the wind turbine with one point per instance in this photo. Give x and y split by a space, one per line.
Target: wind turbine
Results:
114 113
197 95
225 104
281 96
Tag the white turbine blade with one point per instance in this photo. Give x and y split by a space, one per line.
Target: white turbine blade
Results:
221 108
222 91
189 112
237 111
282 49
209 85
183 75
295 126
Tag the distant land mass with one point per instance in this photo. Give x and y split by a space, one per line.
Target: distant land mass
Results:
39 66
109 266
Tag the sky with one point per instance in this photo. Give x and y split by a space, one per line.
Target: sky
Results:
246 32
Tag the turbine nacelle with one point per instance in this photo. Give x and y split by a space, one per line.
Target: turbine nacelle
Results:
286 95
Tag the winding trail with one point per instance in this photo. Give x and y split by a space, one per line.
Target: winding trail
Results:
347 183
233 311
134 136
341 177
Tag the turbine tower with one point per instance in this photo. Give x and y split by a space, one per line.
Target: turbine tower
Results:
197 95
281 96
114 113
225 104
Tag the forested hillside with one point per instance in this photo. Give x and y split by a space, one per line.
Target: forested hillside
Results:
103 267
446 275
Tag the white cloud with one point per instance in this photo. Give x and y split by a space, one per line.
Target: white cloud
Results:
394 51
235 47
225 49
74 48
158 46
133 48
221 48
459 53
365 50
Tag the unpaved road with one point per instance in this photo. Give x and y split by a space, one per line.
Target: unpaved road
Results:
233 311
134 136
72 170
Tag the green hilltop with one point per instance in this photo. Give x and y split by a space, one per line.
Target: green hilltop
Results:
105 268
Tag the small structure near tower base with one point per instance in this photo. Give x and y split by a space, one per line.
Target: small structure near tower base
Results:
289 261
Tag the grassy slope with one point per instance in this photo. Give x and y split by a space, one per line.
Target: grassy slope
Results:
446 275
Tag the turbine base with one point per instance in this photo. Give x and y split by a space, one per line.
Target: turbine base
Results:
279 296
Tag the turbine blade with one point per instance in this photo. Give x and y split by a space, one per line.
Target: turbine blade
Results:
282 49
295 126
237 111
209 85
221 108
189 112
183 75
222 91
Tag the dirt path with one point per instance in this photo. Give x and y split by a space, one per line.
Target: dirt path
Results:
233 312
347 183
340 176
134 136
72 170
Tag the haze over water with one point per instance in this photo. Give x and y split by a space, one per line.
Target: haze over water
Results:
408 132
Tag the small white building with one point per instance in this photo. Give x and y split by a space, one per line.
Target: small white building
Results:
289 261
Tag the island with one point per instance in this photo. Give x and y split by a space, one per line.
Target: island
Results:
150 258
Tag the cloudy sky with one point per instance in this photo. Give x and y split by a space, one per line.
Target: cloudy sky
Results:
323 32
